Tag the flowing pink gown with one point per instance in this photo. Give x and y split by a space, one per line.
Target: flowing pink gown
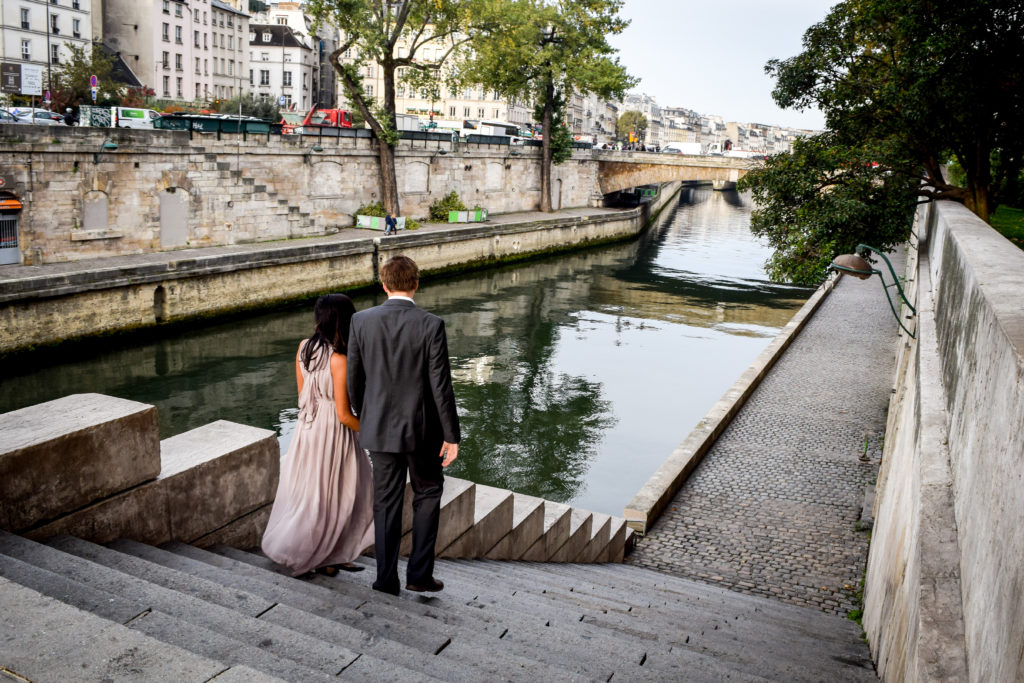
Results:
323 512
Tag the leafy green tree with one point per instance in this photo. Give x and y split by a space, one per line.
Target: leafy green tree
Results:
374 31
543 51
561 137
262 108
631 122
70 86
905 86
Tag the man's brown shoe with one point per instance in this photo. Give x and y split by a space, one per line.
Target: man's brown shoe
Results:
431 587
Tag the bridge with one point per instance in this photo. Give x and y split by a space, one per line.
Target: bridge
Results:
622 170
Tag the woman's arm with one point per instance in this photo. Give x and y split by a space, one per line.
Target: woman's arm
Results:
298 369
339 368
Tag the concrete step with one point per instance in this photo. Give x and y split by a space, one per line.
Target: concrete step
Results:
47 640
458 502
318 655
600 536
492 521
554 535
580 524
753 647
527 527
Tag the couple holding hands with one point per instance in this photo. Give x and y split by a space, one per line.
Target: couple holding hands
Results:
380 380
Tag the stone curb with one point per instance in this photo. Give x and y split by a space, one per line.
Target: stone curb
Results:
652 498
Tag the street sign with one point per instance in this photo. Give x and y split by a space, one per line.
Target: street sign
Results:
31 79
94 91
10 78
93 81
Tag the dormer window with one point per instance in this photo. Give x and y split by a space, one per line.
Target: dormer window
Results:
266 36
252 37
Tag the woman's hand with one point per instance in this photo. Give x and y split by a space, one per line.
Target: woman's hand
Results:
339 369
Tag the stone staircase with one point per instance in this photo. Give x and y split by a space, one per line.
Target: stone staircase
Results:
75 610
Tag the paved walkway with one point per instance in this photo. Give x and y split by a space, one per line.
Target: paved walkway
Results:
16 272
773 509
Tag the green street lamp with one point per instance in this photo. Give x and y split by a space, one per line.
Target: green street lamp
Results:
107 146
859 267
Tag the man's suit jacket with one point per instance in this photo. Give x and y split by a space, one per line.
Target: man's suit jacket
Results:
399 379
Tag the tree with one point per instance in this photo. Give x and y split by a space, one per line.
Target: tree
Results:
905 86
544 51
250 105
631 122
373 32
70 86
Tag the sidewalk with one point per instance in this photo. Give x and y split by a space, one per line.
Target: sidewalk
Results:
15 273
773 509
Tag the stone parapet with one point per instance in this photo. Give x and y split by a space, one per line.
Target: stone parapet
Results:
64 454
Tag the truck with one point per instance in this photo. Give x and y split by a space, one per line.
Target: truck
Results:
683 148
315 119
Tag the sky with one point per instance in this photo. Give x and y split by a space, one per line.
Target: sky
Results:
709 55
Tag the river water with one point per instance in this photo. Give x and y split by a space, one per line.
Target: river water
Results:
576 375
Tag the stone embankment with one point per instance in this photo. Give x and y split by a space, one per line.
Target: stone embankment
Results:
47 304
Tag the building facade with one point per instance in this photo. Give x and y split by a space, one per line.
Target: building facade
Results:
282 66
191 51
38 32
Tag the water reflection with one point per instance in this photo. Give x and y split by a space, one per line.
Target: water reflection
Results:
575 375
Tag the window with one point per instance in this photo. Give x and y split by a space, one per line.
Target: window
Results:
282 21
76 28
465 112
177 63
26 50
165 32
250 76
231 22
204 18
167 86
287 79
369 70
195 16
24 18
177 10
304 86
54 27
287 56
368 90
197 91
264 56
167 6
252 37
266 36
195 38
177 35
480 112
451 111
221 22
205 36
76 4
206 67
178 90
264 77
222 67
287 101
348 53
197 65
400 91
166 60
231 67
496 114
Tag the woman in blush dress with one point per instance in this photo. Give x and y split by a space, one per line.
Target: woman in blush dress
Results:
322 517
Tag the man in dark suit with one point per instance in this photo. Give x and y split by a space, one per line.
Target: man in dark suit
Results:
400 386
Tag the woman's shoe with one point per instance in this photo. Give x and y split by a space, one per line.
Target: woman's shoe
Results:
349 567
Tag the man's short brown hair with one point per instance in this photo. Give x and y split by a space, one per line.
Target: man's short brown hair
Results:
400 274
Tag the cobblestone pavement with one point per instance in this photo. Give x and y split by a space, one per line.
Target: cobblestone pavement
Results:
773 509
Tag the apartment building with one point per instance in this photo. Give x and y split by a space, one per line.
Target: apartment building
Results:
38 32
282 65
191 51
322 42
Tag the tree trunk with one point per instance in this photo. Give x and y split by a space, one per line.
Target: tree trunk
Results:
388 177
545 150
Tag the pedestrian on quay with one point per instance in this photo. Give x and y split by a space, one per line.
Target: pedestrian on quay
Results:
390 224
322 518
400 385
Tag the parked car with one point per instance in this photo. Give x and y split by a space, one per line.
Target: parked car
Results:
40 117
8 117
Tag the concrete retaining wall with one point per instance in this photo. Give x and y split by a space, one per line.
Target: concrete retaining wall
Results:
51 309
945 569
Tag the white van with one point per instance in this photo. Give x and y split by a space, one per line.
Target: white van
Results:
129 117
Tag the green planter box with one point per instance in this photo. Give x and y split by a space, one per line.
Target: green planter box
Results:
478 216
377 222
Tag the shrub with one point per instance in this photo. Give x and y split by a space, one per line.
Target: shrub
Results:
375 209
439 208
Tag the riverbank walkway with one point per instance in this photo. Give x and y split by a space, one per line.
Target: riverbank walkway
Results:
107 264
774 509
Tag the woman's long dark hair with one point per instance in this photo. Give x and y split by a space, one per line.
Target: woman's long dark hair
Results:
333 313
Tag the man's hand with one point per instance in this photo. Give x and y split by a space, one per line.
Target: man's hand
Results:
449 451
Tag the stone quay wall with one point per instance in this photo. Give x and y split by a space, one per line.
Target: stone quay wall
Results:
50 309
946 563
162 189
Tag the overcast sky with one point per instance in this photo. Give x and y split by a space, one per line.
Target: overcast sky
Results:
709 56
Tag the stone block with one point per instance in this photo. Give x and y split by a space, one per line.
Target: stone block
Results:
527 527
617 544
580 524
61 455
212 476
457 505
555 535
492 521
246 532
600 534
